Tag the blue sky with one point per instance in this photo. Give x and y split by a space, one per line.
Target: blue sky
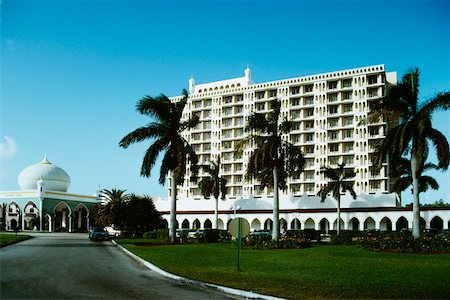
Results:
72 71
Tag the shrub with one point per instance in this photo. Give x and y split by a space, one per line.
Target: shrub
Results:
162 234
264 242
211 235
150 235
343 238
405 242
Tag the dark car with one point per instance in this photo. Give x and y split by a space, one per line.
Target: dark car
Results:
98 234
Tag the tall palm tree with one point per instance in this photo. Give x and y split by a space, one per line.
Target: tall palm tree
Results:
404 179
410 136
114 201
273 159
215 185
339 184
166 131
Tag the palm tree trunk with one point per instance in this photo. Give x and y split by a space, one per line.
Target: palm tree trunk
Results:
339 214
173 210
216 215
416 208
276 207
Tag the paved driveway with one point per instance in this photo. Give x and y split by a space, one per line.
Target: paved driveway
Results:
69 266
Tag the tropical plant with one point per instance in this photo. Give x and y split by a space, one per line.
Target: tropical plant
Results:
339 184
272 159
215 185
141 214
413 131
114 201
404 179
166 131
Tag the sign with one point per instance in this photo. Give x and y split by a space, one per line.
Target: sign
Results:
233 227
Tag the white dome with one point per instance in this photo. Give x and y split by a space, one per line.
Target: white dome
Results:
53 177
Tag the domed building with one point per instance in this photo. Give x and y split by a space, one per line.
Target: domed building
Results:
43 202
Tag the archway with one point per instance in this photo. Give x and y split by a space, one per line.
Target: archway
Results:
256 225
335 224
207 224
62 217
310 224
268 225
437 223
13 216
324 225
80 219
220 224
196 224
354 224
369 224
386 224
31 216
401 224
185 224
295 224
283 226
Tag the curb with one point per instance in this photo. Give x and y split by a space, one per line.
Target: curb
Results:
227 290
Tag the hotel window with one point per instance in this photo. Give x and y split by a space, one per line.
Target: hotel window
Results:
333 123
260 95
198 104
348 160
227 133
309 137
295 90
308 88
348 134
372 79
227 156
309 125
334 148
227 122
239 98
260 106
348 148
239 121
309 100
348 121
227 100
373 92
332 85
206 114
348 108
196 136
206 147
295 102
309 112
272 93
227 145
238 109
333 110
334 135
206 136
346 83
309 149
207 125
238 132
208 103
332 97
346 95
227 111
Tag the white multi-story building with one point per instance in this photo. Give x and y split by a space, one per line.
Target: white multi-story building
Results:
327 110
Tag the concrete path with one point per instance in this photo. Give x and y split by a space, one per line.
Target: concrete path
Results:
69 266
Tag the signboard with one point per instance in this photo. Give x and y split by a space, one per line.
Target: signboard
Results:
233 227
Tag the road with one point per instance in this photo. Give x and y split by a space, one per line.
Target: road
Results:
69 266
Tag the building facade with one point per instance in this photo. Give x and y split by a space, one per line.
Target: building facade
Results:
329 111
43 202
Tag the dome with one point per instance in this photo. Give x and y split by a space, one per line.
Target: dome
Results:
53 177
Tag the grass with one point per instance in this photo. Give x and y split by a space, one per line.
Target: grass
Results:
316 272
11 238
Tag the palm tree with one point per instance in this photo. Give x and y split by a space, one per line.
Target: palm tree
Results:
272 159
166 130
404 179
339 184
215 185
114 201
413 131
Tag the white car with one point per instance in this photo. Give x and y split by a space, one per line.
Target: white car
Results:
112 231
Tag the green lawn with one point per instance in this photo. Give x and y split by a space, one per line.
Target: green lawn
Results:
317 272
10 238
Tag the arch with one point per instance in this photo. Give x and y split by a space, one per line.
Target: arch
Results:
386 224
268 224
310 224
220 224
185 224
80 218
437 223
31 216
283 225
166 224
255 225
62 214
196 224
422 223
295 224
353 224
369 224
207 224
324 225
335 224
401 224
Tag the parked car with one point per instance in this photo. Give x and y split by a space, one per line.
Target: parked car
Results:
98 233
112 231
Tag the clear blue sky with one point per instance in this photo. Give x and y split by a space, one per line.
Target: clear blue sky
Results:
72 71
